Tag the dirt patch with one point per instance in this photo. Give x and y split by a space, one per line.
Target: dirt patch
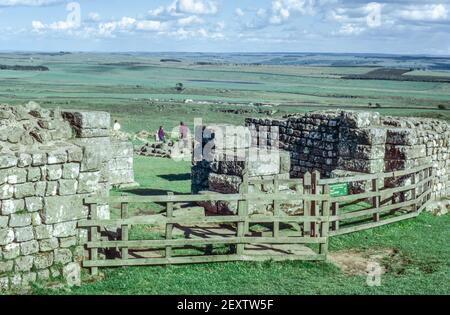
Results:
359 263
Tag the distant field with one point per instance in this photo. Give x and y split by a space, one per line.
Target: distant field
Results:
139 89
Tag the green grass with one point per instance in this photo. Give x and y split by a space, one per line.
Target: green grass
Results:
422 265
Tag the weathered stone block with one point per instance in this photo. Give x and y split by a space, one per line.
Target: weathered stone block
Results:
6 236
6 191
53 172
24 234
68 187
74 154
19 219
51 189
34 174
48 245
66 242
57 156
24 263
6 266
122 149
4 221
11 251
402 136
63 208
12 206
72 274
24 159
43 231
364 136
7 161
226 184
24 190
87 182
71 171
88 120
358 119
33 204
43 260
62 256
39 159
36 218
65 229
29 248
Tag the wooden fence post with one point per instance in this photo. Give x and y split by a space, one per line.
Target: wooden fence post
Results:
169 226
335 212
276 208
307 203
414 193
325 225
376 199
124 215
94 237
242 226
314 204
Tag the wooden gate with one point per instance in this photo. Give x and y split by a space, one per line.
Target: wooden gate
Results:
194 237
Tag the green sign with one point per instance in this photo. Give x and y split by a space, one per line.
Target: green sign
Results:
338 190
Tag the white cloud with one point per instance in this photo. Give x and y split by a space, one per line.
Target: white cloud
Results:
239 12
431 12
38 26
150 26
190 20
94 17
196 6
28 3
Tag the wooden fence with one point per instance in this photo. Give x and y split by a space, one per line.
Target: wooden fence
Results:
300 236
382 199
243 245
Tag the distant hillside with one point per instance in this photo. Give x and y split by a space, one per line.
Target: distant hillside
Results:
24 68
396 75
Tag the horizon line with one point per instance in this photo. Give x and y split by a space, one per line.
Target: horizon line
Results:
226 52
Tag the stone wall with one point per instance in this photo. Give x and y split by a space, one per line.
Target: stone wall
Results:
339 142
50 161
223 170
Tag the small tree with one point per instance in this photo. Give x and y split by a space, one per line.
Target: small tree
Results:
179 87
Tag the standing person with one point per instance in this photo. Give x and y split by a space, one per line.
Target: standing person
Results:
116 126
161 134
184 133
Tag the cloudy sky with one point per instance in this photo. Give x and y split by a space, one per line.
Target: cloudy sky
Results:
384 26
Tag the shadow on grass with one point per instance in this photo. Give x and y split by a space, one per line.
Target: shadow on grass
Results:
176 177
149 192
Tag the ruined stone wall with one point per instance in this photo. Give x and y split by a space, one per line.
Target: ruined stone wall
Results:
223 171
339 142
49 162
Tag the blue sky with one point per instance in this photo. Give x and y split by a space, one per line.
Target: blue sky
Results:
384 26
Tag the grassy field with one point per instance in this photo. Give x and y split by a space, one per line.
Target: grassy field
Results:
139 91
420 265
